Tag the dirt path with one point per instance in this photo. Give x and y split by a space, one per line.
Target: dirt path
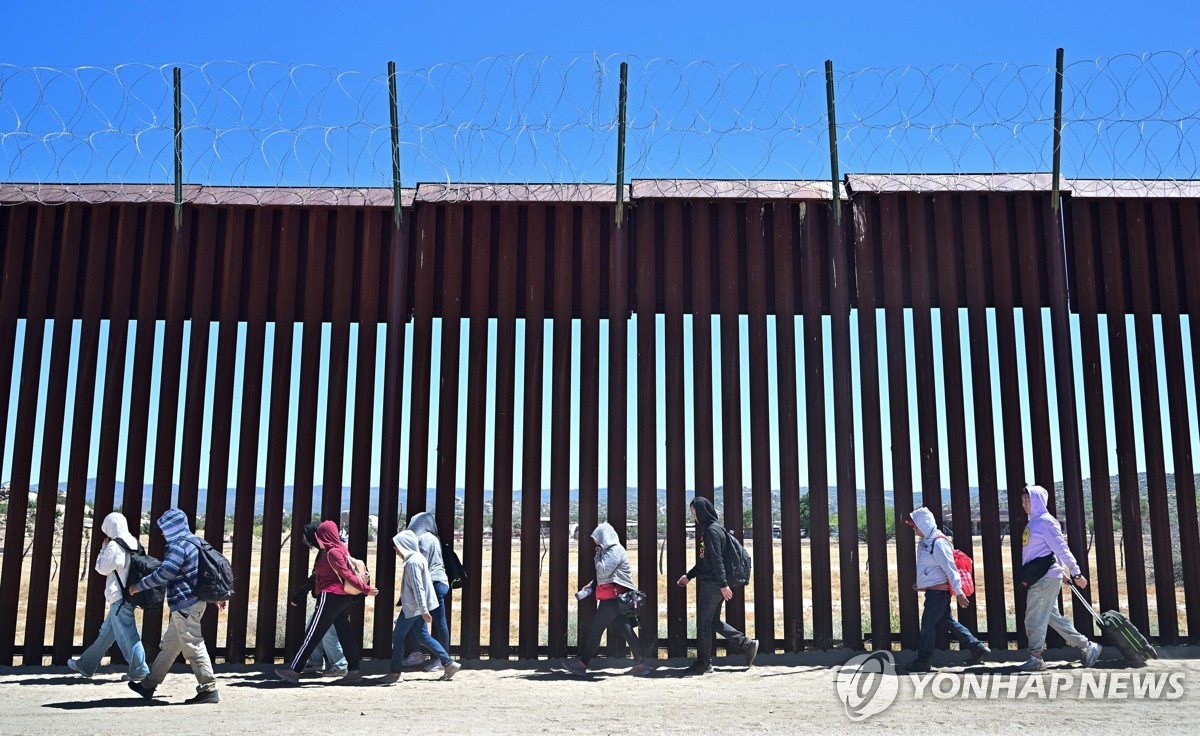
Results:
783 693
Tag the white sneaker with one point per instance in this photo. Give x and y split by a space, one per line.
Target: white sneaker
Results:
432 666
1034 664
413 659
1091 653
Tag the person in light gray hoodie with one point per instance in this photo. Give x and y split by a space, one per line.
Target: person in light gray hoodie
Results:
614 576
1043 538
938 576
425 527
417 601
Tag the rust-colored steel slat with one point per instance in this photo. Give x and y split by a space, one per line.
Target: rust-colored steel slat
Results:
311 288
947 235
590 257
840 284
727 248
1179 270
14 229
561 249
644 248
866 263
1081 239
41 255
67 256
671 214
424 296
618 396
339 285
231 288
284 268
1142 290
760 426
508 292
921 267
94 261
973 238
1028 244
201 285
703 234
263 231
480 264
1000 258
785 237
894 286
1113 248
367 266
531 435
118 300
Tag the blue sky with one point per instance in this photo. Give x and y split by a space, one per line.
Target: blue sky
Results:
363 37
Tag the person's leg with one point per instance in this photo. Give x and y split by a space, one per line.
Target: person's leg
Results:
89 661
399 633
194 650
937 608
128 639
331 646
321 621
966 639
428 642
316 659
1043 595
631 637
736 641
1065 628
441 627
606 611
349 645
708 613
168 650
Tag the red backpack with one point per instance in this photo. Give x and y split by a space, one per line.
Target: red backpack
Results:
966 568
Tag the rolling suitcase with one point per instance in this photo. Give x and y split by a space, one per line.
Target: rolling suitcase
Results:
1120 633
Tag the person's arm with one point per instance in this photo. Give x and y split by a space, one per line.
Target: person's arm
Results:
110 558
298 596
170 568
340 562
714 552
1058 544
607 563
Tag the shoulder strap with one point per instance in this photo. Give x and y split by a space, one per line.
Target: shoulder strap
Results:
122 545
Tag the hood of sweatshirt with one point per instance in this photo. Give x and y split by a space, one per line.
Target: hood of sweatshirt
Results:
327 535
115 526
423 523
1038 506
406 541
605 536
706 513
923 519
310 534
174 524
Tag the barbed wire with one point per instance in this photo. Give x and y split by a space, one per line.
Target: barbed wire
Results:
268 132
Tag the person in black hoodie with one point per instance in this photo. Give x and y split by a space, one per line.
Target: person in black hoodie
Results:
714 590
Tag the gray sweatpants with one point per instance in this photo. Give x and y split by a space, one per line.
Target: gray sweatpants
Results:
183 636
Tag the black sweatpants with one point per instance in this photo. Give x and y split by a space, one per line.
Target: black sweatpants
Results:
708 621
332 610
605 613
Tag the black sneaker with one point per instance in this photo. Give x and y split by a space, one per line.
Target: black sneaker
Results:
919 665
699 668
209 696
978 654
140 689
751 651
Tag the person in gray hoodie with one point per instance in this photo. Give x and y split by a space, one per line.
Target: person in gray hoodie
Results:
1043 538
614 576
120 625
417 602
938 576
425 527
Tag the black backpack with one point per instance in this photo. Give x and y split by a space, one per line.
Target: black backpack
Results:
140 565
737 561
455 572
214 574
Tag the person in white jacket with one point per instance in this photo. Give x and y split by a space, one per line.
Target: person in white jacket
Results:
938 576
120 625
417 601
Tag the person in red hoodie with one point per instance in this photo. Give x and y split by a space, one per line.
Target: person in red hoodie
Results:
333 605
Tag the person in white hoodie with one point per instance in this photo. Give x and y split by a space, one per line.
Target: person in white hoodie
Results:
119 626
417 601
938 576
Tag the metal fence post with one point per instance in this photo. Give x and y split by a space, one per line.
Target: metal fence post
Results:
833 151
1058 89
622 100
178 151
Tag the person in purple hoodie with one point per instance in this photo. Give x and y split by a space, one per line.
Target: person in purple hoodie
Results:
1043 538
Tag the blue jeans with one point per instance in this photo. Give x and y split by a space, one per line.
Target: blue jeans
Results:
120 627
329 651
416 624
937 616
440 626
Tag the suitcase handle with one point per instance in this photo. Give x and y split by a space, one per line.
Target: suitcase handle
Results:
1079 596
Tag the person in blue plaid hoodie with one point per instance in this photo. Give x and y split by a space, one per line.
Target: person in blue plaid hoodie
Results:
178 572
